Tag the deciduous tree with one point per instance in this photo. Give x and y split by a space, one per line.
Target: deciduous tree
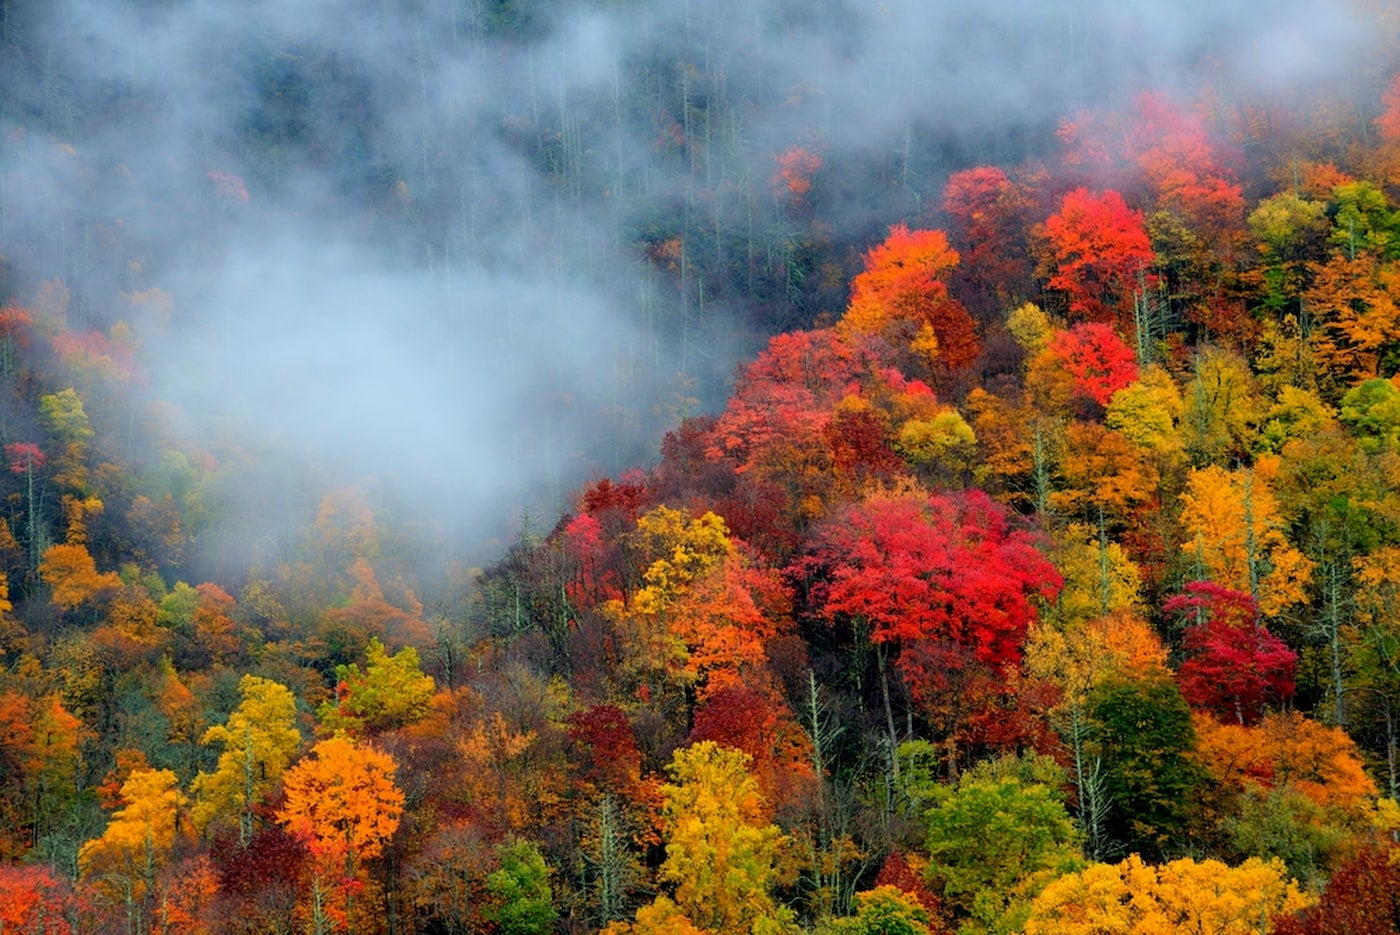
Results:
1098 255
125 862
390 693
1235 668
903 292
1097 358
1235 534
259 740
34 900
342 804
1205 897
72 576
1143 734
722 855
993 842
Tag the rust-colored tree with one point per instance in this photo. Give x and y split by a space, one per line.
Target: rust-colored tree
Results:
1363 895
987 211
903 294
34 900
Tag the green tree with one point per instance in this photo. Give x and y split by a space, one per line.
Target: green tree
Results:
885 910
995 840
391 692
1142 732
1372 412
522 901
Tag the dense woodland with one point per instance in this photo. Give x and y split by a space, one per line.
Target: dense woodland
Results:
1040 574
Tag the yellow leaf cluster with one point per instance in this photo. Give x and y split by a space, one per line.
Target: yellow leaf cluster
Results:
141 835
1235 530
1134 898
681 549
258 740
71 574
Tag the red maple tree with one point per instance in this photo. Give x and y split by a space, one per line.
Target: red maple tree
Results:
946 566
1236 668
1099 255
1098 359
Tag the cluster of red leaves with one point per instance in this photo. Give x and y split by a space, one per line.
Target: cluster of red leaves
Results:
24 457
1096 357
760 724
1100 253
1363 895
1235 668
988 216
788 393
1388 123
948 566
32 899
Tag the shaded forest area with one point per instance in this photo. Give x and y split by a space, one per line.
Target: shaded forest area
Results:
1037 572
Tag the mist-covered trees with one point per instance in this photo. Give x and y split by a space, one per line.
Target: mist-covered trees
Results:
1045 582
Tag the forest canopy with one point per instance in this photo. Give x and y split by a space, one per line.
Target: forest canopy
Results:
1034 569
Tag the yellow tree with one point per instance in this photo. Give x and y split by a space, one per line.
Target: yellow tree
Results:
680 550
259 740
1100 578
1134 898
342 803
71 574
661 916
391 692
722 853
1221 408
675 552
1147 411
1234 532
124 863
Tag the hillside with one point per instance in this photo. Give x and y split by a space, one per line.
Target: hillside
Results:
1035 570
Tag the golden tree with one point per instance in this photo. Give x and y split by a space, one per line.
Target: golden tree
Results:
342 804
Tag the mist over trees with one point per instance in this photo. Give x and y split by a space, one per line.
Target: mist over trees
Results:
529 236
484 466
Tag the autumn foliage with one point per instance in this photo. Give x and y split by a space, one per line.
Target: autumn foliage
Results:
904 291
942 568
1098 255
1052 538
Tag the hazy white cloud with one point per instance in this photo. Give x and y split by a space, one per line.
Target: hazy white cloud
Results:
482 330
